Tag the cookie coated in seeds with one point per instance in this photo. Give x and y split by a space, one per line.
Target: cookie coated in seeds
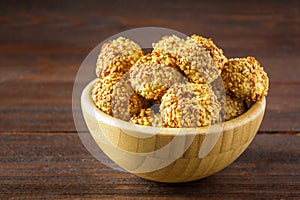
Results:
114 96
147 117
117 56
189 105
215 52
245 78
234 107
182 83
192 59
157 58
151 80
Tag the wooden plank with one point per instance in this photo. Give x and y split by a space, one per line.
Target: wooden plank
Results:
112 16
72 30
282 110
47 165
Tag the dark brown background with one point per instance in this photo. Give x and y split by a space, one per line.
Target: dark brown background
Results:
42 45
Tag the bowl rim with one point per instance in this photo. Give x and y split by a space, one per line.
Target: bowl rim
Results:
87 105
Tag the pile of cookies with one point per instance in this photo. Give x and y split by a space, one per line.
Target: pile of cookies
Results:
182 83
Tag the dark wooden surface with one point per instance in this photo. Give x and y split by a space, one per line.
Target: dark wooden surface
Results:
42 44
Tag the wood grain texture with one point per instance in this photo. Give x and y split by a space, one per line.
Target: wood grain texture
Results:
42 44
48 165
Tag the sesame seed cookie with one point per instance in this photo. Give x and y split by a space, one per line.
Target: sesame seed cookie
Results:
192 59
147 117
210 47
117 56
245 78
189 105
234 107
157 58
153 75
113 95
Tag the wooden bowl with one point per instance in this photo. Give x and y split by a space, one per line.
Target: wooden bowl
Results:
171 154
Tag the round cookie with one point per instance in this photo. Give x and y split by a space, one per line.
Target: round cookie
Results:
192 59
157 58
147 117
113 95
215 52
189 105
151 80
234 107
117 56
245 78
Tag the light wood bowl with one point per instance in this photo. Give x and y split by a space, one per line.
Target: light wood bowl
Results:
171 154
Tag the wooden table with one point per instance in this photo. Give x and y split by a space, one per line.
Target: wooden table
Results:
42 44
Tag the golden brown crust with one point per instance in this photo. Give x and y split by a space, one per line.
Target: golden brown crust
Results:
210 47
177 80
245 78
191 58
189 105
117 56
153 74
113 95
147 117
234 107
157 58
